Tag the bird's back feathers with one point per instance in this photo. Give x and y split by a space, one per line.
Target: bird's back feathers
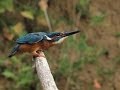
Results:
31 38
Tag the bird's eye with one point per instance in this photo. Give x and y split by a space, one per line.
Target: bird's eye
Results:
58 34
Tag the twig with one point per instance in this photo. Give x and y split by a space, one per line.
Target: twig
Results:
48 20
44 73
43 5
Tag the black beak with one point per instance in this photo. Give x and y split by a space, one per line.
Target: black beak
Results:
70 33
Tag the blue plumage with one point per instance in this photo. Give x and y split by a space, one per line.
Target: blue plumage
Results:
35 37
49 40
31 38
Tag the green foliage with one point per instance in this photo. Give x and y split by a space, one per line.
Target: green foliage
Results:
20 73
64 67
105 72
97 19
66 20
83 8
6 5
84 3
117 34
25 76
117 60
88 54
78 44
2 60
9 74
78 65
62 20
27 14
83 43
87 57
15 18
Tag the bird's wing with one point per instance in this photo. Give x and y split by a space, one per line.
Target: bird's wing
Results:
31 38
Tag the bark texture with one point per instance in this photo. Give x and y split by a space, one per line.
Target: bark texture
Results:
44 73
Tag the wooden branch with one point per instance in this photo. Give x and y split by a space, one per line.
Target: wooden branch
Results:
44 73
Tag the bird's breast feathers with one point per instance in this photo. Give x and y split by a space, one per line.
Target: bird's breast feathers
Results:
35 47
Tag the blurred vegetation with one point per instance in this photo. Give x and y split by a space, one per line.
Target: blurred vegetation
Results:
79 61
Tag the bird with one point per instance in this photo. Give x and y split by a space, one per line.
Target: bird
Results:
35 42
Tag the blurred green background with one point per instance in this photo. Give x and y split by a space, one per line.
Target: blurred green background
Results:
87 61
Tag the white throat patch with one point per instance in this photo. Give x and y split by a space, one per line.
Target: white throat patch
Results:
48 38
61 40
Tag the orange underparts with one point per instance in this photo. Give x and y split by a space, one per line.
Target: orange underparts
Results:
35 48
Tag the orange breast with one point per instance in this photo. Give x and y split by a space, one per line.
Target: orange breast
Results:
46 44
35 47
30 47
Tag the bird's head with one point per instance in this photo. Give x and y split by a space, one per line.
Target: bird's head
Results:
58 37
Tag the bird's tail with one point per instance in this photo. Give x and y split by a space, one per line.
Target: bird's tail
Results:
14 50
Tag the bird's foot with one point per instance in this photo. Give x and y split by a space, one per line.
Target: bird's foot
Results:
38 54
34 56
39 51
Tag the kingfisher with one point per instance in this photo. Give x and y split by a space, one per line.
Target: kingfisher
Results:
33 43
